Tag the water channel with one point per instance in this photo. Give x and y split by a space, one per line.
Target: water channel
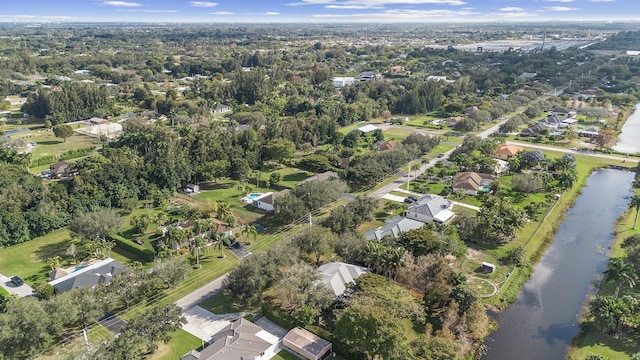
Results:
544 318
629 138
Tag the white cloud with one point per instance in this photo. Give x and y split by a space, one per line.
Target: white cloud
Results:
221 13
513 14
351 7
121 3
153 11
271 13
203 4
367 4
400 14
560 1
512 9
597 1
560 8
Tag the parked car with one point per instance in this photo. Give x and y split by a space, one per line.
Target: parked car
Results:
17 281
138 241
408 200
412 198
440 156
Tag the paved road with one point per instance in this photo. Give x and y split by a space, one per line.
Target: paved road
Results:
200 294
569 151
21 291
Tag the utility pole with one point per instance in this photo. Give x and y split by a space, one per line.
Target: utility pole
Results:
409 176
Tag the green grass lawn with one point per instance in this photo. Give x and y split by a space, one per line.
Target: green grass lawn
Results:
48 144
181 343
221 304
285 355
397 134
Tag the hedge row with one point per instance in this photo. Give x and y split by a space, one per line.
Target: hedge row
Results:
71 154
144 254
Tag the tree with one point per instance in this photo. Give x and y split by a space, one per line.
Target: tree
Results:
274 179
197 245
176 236
635 204
315 240
54 262
170 271
567 178
527 183
63 131
621 271
140 223
279 150
371 331
250 230
72 251
96 226
222 240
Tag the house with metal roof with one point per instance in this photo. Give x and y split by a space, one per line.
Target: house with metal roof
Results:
394 227
336 275
240 340
99 273
431 208
307 344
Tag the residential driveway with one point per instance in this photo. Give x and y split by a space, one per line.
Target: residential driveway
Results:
393 197
203 324
271 327
21 291
196 297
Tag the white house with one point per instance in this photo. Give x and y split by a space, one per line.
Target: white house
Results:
368 128
394 227
431 208
339 82
336 275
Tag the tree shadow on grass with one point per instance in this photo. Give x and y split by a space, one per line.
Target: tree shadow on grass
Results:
217 186
299 176
50 250
50 142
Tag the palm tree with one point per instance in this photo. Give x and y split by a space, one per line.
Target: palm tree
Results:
199 227
197 245
621 271
176 236
223 240
394 258
162 218
54 262
373 255
567 178
635 203
250 230
224 210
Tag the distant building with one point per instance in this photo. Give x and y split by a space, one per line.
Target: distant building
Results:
339 82
431 208
527 75
393 227
365 129
15 101
59 169
471 183
336 275
507 151
370 75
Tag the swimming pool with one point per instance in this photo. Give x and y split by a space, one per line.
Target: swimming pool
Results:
252 197
79 268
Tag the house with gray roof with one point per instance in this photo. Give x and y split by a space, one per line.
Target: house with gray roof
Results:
336 275
101 272
394 227
240 340
431 208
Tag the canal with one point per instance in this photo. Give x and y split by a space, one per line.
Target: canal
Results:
628 139
544 318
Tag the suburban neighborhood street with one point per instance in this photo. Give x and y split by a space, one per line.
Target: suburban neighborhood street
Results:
569 151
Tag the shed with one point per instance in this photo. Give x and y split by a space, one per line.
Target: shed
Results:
488 267
307 344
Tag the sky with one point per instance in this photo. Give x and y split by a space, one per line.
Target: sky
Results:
345 11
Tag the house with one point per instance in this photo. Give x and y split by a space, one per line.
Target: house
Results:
431 208
240 340
221 109
527 75
307 344
394 227
397 69
388 145
335 275
531 131
191 189
59 169
266 201
370 75
327 175
507 151
590 131
471 183
452 121
101 272
82 72
97 121
437 78
15 101
365 129
339 82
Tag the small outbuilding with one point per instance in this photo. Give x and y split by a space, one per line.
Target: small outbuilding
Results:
307 344
488 267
